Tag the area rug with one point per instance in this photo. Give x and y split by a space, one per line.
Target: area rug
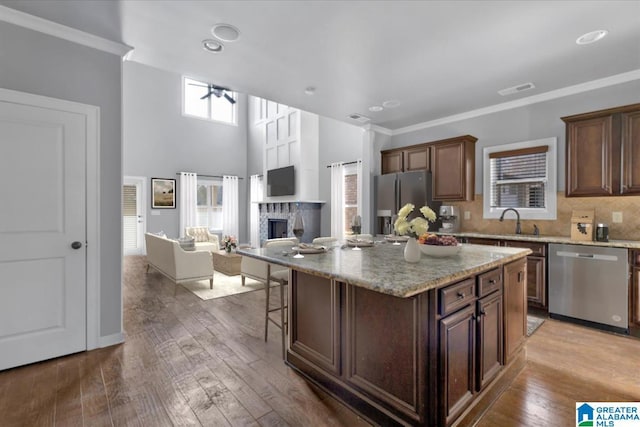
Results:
223 286
533 323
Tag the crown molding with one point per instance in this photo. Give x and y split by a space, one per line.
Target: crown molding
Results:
378 129
60 31
547 96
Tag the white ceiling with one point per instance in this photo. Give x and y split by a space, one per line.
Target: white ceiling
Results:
438 58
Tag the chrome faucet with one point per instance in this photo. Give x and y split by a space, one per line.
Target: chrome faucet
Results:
518 229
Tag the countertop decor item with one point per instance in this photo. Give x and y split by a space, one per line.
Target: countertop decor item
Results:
414 228
440 251
412 250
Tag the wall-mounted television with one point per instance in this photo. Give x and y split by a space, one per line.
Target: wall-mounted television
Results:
281 182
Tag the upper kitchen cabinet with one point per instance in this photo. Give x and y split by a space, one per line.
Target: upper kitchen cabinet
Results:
406 159
451 162
603 152
453 168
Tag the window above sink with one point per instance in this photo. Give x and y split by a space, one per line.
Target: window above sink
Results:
521 175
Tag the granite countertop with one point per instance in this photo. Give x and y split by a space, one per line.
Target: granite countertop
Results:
631 244
382 268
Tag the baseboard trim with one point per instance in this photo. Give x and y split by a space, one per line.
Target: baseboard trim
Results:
109 340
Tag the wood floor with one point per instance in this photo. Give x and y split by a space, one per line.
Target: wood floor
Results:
192 362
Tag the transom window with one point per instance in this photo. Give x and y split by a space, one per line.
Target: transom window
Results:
199 101
210 204
522 176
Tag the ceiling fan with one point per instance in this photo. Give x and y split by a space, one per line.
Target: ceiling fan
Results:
218 91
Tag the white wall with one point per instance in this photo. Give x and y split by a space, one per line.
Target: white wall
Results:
36 63
159 142
531 122
339 142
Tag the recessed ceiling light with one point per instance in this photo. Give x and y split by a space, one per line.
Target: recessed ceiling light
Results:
310 90
375 108
225 32
592 37
392 103
211 45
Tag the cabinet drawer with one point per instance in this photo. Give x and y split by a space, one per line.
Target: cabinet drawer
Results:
537 249
489 282
457 296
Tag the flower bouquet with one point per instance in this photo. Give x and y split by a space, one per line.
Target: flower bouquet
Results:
414 228
418 225
229 242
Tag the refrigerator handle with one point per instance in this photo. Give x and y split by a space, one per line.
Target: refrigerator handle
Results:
397 195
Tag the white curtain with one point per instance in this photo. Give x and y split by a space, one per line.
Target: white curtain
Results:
230 211
254 218
188 201
337 200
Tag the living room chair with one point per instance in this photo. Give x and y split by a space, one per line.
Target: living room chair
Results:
204 239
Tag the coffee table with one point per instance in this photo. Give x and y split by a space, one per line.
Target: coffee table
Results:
227 262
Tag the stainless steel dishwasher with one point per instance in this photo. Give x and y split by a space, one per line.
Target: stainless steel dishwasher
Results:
589 284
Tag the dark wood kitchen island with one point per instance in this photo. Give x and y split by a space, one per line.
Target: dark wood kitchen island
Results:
431 343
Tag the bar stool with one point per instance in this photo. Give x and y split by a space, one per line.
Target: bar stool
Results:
281 277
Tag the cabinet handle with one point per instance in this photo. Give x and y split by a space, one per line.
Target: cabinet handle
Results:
460 295
492 281
519 276
482 312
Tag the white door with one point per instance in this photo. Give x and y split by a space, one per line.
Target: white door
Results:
133 217
42 232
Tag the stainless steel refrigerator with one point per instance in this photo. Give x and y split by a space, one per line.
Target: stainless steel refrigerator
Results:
395 190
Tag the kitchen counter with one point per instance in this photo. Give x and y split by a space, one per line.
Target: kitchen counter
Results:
399 342
630 244
382 268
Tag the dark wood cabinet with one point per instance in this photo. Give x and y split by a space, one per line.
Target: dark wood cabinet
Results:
631 152
315 320
515 307
392 161
406 159
453 168
417 158
481 241
490 352
451 162
457 361
603 152
536 272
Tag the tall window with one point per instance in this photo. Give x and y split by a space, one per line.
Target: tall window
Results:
521 176
215 106
350 195
210 204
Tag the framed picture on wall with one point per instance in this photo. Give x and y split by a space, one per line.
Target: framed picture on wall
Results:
163 193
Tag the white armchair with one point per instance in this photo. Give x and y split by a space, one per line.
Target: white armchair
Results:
205 241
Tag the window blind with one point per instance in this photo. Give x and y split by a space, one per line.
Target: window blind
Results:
519 180
130 217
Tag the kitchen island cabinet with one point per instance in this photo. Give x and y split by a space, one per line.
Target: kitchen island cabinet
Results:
401 343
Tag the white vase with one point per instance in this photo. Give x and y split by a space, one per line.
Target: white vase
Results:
412 250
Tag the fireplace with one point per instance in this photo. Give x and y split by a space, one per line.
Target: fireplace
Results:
277 228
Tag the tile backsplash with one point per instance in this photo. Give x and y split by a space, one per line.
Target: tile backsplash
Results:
604 207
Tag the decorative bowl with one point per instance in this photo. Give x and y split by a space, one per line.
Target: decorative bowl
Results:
440 251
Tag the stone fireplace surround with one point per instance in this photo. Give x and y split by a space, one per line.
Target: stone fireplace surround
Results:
287 210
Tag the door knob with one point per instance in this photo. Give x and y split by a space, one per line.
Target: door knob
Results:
76 245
